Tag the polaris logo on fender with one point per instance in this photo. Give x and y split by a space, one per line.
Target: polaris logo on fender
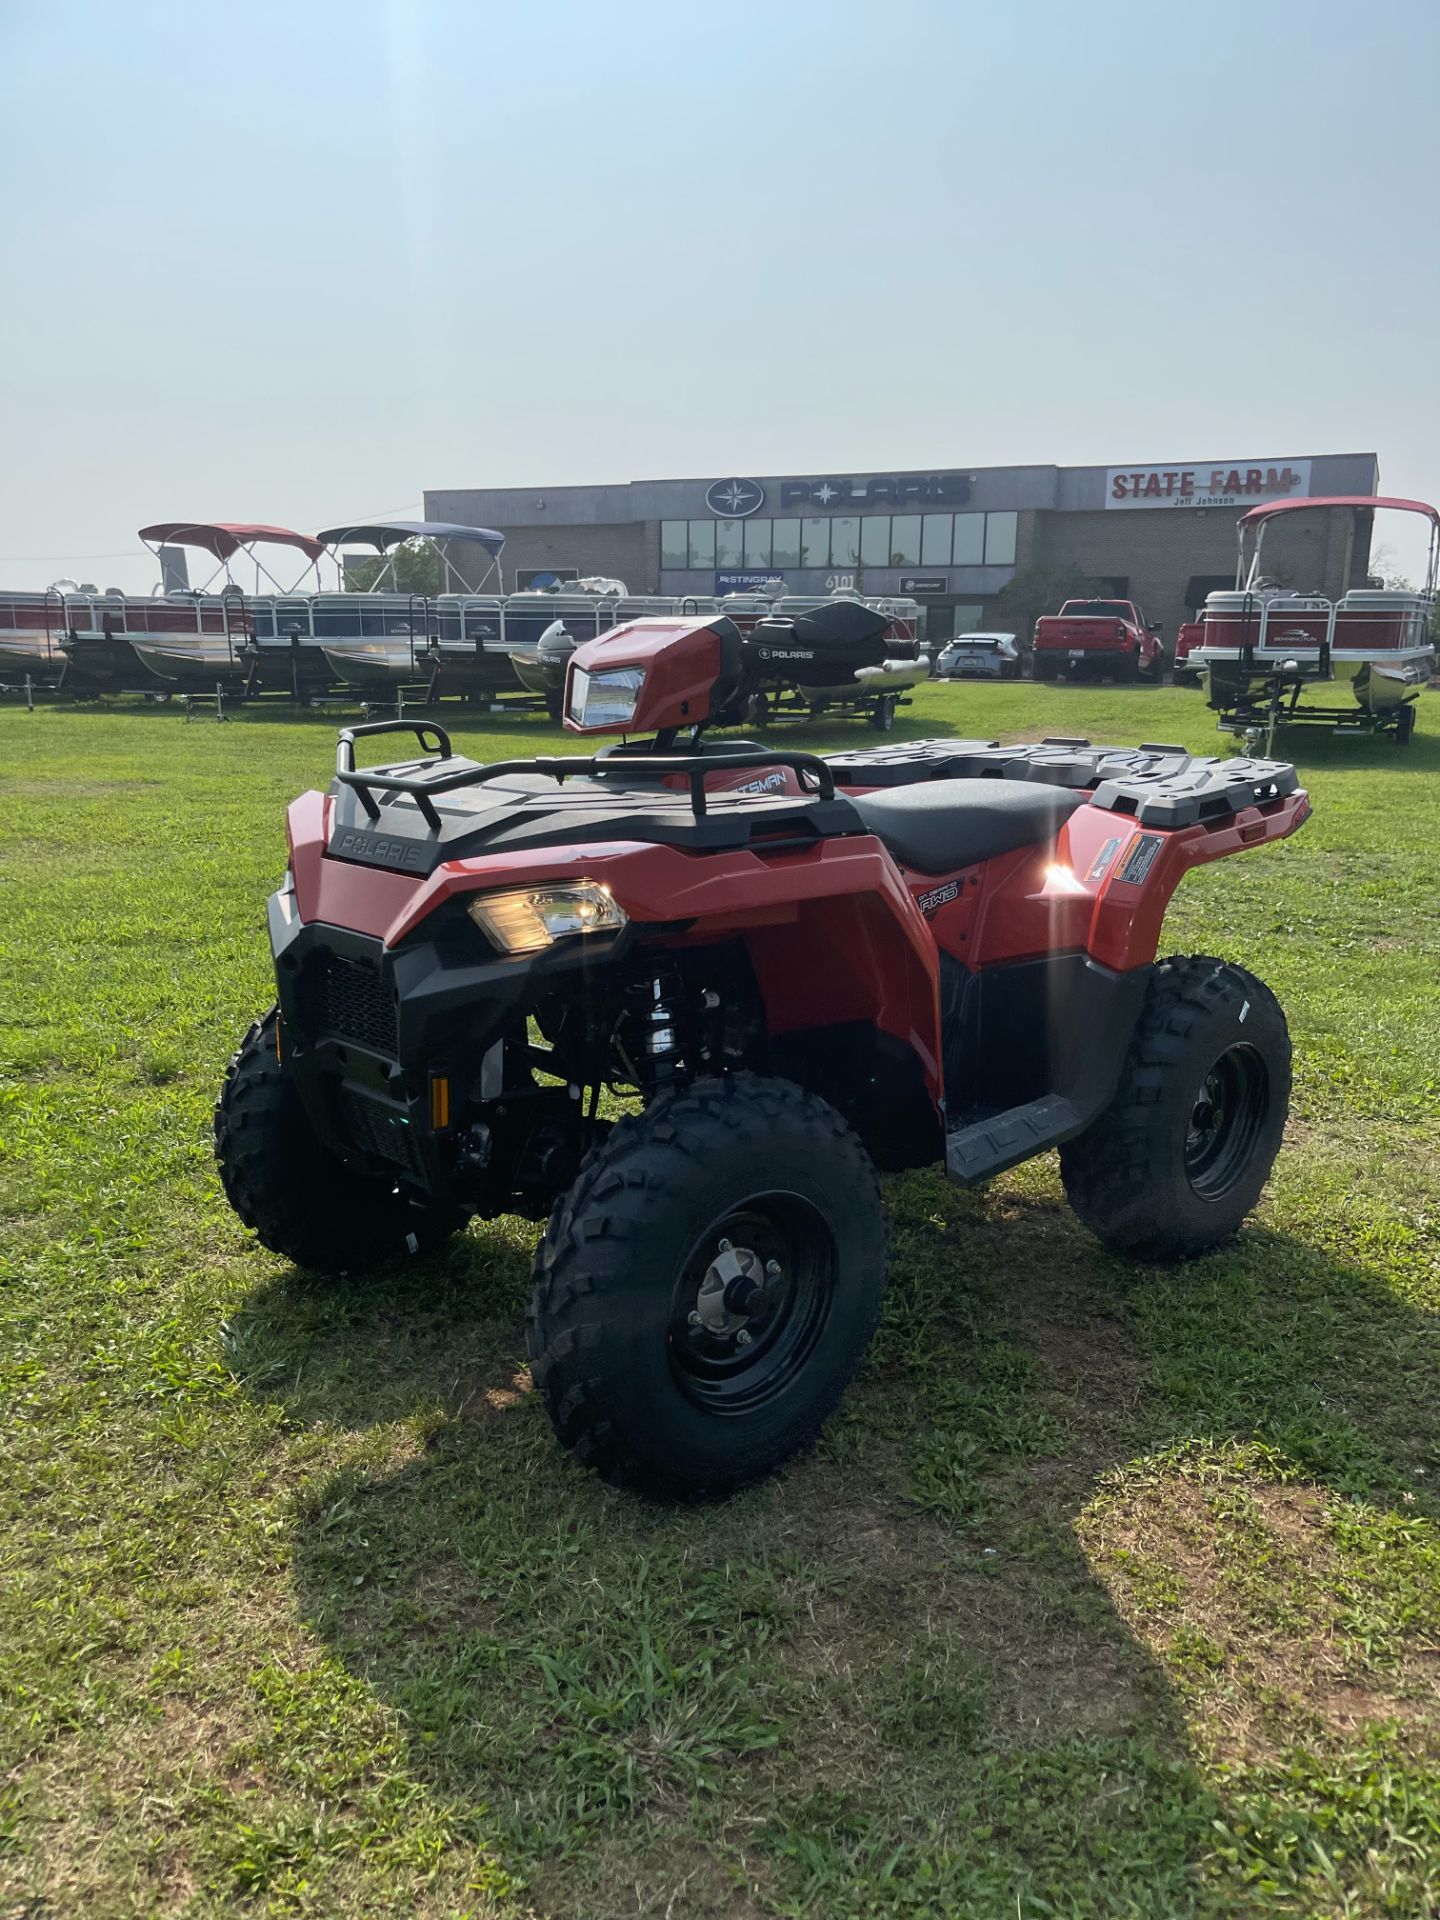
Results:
937 896
377 851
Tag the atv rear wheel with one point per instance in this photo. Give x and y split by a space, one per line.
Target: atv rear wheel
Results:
705 1291
1178 1159
299 1199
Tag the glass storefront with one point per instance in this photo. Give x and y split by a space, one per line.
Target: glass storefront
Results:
842 541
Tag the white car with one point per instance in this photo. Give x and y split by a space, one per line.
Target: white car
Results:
979 656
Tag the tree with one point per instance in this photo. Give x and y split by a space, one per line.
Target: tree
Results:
1040 589
1384 569
418 568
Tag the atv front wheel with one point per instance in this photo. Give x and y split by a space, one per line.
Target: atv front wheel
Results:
300 1200
705 1291
1178 1159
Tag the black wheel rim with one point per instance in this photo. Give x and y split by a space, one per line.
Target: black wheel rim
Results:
772 1314
1225 1122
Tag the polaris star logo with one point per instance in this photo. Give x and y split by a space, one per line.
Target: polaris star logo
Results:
733 499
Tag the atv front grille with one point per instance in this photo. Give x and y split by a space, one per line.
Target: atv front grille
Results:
381 1130
348 1000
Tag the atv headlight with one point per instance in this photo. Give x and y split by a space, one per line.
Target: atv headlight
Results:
605 699
528 918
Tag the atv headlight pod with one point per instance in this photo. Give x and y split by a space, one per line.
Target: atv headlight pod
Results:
527 919
605 699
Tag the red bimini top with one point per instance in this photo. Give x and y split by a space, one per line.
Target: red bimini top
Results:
226 538
1339 500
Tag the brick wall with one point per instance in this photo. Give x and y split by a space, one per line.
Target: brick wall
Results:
1161 549
630 552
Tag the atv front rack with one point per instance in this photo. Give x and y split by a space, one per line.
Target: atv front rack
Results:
423 780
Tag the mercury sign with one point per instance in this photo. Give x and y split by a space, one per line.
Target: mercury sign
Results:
1228 483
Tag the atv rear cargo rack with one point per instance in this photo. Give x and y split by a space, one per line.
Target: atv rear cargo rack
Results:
1157 784
434 777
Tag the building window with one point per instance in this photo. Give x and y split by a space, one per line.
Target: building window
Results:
841 540
875 540
814 543
1000 539
786 549
935 540
729 543
905 540
702 544
757 546
969 546
844 541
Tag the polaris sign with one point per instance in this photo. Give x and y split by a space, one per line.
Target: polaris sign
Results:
884 490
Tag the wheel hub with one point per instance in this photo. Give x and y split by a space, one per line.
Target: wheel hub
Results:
732 1291
1225 1122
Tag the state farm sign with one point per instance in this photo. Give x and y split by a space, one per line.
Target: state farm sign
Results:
1229 483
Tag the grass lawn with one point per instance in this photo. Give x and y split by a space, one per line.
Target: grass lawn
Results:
1110 1591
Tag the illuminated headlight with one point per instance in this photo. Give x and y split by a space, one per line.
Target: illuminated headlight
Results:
526 919
605 699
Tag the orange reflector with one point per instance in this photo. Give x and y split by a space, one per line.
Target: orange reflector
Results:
277 1036
439 1101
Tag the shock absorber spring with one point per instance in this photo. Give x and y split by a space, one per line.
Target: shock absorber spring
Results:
662 1041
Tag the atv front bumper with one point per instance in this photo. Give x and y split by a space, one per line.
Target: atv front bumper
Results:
392 1049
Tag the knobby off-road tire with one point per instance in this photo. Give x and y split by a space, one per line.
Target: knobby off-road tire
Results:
299 1200
1178 1159
646 1391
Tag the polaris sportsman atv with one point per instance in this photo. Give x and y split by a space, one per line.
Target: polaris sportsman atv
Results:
791 971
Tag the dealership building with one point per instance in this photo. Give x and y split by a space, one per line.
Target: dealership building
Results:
952 538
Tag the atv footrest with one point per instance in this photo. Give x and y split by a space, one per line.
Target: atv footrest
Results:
988 1147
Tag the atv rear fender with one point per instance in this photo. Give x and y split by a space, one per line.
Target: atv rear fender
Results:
1105 885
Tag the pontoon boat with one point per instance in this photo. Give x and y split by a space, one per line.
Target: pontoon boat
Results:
1265 645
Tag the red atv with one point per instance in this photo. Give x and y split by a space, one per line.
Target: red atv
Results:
785 972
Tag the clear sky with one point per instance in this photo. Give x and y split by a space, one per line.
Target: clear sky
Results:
298 262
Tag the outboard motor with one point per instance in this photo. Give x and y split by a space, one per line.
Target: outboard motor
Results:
552 656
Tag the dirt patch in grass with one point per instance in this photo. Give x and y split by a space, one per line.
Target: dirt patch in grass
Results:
1243 1596
916 1624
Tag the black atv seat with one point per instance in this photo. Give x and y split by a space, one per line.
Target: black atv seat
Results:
936 826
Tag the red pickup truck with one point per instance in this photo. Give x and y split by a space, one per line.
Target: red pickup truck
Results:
1098 638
